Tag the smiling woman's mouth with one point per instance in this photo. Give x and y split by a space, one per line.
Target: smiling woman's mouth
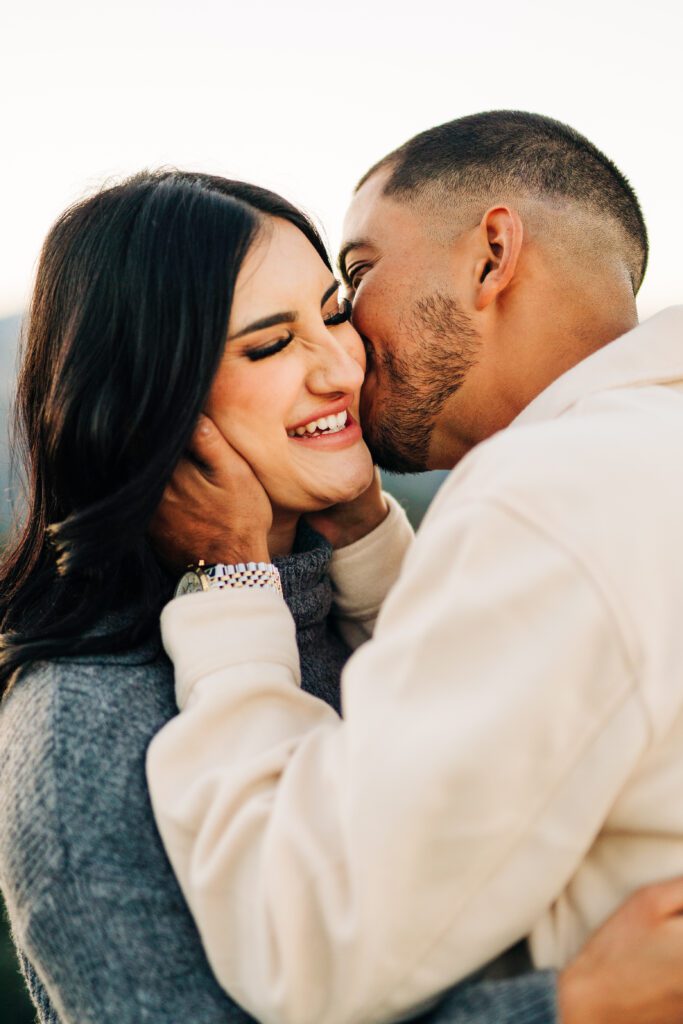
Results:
327 430
324 425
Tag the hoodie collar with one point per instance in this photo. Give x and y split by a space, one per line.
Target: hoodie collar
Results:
651 353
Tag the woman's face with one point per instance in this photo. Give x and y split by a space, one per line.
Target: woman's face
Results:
292 360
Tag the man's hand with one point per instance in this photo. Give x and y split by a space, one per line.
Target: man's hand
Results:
344 524
631 970
214 508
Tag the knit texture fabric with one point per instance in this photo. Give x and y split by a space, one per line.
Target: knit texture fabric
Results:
101 928
528 999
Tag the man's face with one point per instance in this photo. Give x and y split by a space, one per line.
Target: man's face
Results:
420 343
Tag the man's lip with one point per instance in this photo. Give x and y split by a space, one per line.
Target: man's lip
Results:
333 409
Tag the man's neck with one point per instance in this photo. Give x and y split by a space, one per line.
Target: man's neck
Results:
492 396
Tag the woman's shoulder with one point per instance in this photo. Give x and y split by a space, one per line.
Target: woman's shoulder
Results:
88 887
27 783
71 695
73 737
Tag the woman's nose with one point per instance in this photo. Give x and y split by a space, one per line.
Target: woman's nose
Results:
335 367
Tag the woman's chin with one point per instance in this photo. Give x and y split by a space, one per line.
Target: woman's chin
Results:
305 492
342 496
338 492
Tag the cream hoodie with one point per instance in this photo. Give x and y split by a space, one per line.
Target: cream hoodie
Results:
510 761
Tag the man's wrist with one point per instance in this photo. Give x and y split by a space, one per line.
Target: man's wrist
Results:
241 556
580 1000
355 531
236 551
350 526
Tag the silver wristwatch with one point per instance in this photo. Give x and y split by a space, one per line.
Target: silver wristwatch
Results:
200 577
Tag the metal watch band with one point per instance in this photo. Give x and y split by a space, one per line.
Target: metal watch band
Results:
245 574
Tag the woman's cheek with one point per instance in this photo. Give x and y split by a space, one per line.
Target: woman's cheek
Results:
236 405
253 442
355 347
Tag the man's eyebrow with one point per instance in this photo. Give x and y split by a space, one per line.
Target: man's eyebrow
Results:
355 243
281 318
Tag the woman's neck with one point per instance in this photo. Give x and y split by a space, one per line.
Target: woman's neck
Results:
282 533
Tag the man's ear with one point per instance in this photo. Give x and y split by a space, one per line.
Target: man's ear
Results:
501 235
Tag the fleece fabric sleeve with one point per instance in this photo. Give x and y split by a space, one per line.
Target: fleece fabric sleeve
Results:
363 573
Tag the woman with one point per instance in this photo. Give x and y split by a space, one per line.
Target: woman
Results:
137 289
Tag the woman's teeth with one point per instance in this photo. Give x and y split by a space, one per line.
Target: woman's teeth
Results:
326 425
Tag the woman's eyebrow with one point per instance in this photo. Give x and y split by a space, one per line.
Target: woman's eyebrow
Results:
334 287
267 321
281 318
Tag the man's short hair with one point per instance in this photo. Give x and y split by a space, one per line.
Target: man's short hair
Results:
513 152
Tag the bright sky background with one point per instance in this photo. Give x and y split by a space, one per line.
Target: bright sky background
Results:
303 96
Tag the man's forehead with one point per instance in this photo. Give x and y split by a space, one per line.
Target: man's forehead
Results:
363 206
374 219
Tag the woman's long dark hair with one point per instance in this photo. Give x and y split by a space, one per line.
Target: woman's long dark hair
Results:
126 330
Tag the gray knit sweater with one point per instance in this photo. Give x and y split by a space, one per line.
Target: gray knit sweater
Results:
101 928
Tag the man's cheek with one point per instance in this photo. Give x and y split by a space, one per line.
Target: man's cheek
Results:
360 357
367 400
365 309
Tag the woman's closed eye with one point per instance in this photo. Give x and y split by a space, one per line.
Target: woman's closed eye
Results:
254 354
336 310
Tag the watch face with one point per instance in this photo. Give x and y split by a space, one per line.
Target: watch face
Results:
189 583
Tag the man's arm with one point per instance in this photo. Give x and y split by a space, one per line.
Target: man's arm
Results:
629 972
347 871
364 572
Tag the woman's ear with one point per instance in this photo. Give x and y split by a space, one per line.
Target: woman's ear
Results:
501 235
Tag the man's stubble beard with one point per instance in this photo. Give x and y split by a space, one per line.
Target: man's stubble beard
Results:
415 389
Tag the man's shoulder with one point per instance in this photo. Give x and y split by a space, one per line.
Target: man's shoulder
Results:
602 483
612 444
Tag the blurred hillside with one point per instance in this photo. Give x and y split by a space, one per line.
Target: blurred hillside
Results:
15 1007
9 336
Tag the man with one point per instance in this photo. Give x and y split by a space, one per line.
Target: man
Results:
512 732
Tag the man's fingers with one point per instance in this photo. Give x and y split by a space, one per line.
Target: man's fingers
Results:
212 453
663 899
187 476
207 447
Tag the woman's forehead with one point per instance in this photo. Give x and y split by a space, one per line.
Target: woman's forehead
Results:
281 267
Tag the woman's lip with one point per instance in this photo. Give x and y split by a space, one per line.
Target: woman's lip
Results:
333 409
350 435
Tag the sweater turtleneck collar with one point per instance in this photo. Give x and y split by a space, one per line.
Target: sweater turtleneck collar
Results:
304 575
307 590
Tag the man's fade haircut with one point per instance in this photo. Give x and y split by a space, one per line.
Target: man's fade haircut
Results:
511 151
